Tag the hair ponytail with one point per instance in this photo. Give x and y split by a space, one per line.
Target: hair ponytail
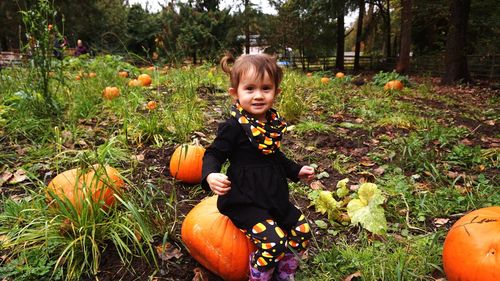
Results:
225 61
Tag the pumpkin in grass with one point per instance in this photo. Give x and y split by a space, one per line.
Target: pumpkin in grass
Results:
100 183
123 74
309 74
340 75
110 93
145 79
214 241
92 75
325 80
393 85
186 163
151 105
471 249
134 83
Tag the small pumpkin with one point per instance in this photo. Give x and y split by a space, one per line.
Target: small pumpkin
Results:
100 182
214 241
151 105
340 75
123 74
309 74
325 80
134 83
92 75
471 249
393 85
145 79
110 93
186 163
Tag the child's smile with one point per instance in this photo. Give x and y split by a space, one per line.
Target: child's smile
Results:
255 94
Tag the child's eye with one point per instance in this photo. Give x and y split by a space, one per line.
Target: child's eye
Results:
249 88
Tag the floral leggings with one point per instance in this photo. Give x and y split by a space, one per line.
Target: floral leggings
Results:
272 241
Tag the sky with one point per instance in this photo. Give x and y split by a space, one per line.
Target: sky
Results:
153 5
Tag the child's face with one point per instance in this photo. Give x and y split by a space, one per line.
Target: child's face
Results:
256 95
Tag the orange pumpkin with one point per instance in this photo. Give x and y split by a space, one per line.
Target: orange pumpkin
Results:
340 75
134 83
123 74
309 74
471 249
186 162
92 75
151 105
325 80
393 85
145 79
110 93
100 183
215 242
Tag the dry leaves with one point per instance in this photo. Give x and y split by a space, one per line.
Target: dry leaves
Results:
167 251
350 277
317 185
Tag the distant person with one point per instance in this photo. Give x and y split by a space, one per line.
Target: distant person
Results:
59 46
80 48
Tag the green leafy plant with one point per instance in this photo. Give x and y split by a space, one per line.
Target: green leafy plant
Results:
381 78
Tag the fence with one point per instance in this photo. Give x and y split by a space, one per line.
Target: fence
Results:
482 67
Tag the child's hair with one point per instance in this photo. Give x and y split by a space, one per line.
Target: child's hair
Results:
261 63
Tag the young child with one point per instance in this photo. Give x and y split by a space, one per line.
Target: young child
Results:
254 194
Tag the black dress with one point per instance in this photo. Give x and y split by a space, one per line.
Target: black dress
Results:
259 188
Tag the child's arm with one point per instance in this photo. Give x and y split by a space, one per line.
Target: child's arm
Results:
215 155
293 170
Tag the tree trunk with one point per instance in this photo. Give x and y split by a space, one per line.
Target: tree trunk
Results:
339 60
247 28
388 52
456 68
403 64
359 30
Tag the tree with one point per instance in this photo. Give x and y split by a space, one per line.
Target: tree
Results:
456 68
359 31
403 64
339 59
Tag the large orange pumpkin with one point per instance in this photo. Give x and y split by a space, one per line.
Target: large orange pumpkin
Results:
186 163
100 183
145 79
214 241
393 85
471 250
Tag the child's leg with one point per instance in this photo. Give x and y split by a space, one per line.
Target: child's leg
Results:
271 244
298 240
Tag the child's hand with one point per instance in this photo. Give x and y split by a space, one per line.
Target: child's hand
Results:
218 183
306 172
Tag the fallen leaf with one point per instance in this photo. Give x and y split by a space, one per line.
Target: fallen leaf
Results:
379 171
4 177
199 275
438 222
490 122
351 276
19 176
167 252
138 157
317 185
465 142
